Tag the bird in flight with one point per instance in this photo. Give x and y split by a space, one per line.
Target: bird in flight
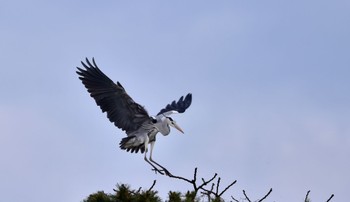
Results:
141 128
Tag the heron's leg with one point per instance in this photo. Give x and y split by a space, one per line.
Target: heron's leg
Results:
150 158
154 167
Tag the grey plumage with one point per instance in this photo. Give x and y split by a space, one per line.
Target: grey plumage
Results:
126 114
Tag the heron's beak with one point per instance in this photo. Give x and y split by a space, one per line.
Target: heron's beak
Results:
178 128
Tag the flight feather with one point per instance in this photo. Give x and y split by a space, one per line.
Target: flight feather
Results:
112 98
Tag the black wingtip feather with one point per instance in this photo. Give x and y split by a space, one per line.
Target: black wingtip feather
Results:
180 106
111 98
88 62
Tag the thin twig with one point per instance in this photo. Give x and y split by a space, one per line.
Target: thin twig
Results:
217 186
208 193
197 187
330 198
206 182
184 179
246 196
194 181
230 185
216 194
212 187
234 199
307 196
150 189
265 195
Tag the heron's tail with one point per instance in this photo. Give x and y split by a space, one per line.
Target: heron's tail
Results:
130 144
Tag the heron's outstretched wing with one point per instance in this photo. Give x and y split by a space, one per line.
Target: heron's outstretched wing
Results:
180 106
121 109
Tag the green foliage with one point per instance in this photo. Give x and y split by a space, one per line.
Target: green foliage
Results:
99 196
123 193
217 199
174 196
177 197
190 196
147 196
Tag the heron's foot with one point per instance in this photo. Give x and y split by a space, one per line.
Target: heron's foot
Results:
167 172
158 171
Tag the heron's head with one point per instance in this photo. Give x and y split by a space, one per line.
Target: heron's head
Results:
172 123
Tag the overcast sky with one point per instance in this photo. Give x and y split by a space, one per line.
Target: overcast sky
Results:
270 84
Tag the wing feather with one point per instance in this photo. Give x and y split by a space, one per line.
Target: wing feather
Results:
180 106
112 98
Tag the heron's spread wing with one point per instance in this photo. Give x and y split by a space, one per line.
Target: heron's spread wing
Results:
121 109
180 106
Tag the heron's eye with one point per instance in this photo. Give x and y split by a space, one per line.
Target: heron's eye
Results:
154 120
170 119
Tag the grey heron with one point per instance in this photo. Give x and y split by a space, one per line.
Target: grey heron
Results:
141 128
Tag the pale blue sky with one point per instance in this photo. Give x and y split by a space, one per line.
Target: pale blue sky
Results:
270 84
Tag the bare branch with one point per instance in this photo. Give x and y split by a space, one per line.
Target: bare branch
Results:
194 181
184 179
204 183
212 187
150 189
307 196
268 193
246 196
207 182
195 174
330 198
260 200
216 194
217 186
234 199
308 200
230 185
208 193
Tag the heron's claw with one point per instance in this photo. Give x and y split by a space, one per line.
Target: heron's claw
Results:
167 172
162 172
157 171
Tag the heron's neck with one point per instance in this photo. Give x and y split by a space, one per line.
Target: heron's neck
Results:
163 127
